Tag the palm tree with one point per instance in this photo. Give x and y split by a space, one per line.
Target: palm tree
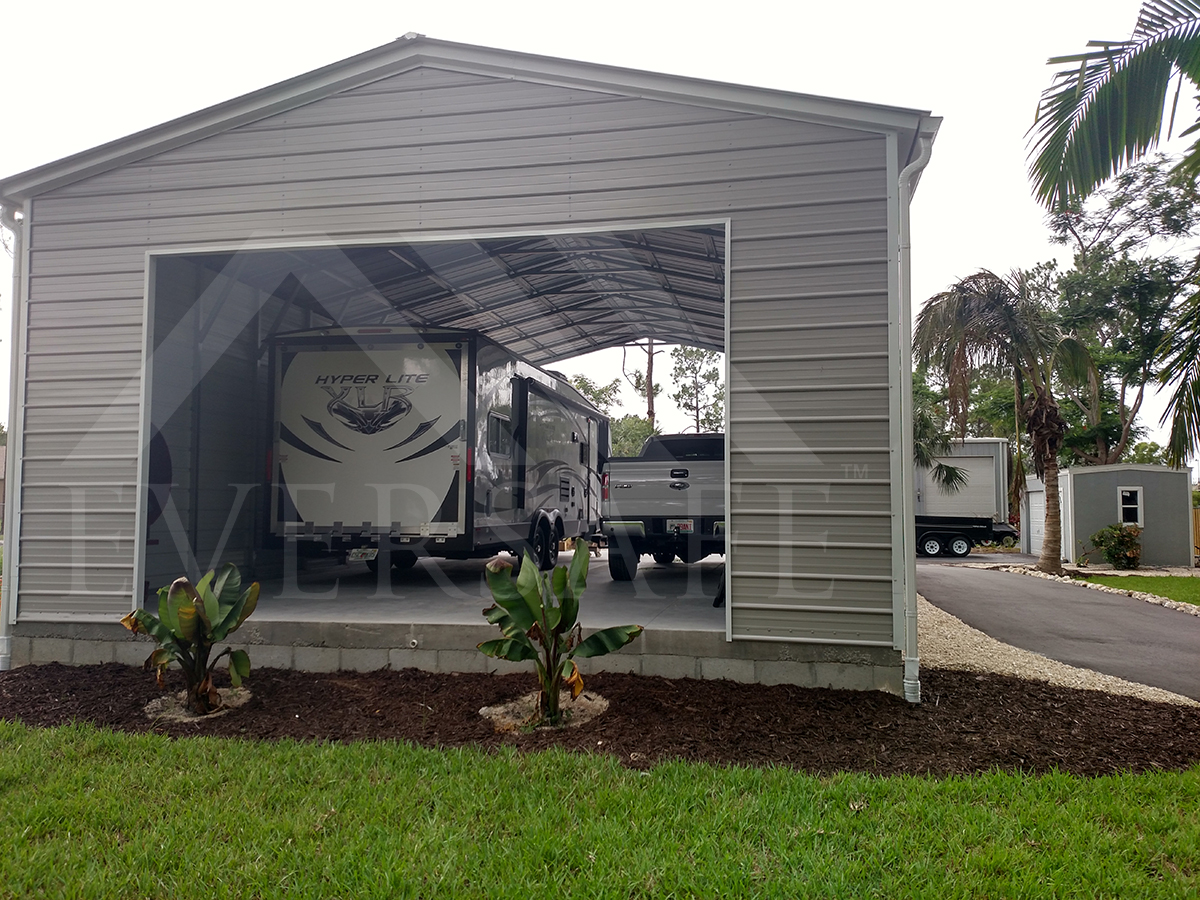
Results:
1107 109
1107 112
988 320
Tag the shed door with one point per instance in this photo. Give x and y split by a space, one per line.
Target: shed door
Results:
1037 520
978 495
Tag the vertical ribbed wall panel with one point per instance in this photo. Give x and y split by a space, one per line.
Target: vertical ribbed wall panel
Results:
432 150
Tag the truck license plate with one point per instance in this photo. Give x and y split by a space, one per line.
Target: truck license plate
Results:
362 554
683 526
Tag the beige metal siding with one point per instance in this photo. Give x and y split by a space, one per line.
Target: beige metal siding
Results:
430 150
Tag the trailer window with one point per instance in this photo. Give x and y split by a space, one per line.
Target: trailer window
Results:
499 436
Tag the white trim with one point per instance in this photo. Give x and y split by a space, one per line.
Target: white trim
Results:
250 245
727 572
142 490
1141 504
16 433
896 404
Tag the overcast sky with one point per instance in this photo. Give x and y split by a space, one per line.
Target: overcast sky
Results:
79 74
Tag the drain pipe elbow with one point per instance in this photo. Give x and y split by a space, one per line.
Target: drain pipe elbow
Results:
912 670
8 218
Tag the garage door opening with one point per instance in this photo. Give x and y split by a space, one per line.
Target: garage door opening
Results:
223 326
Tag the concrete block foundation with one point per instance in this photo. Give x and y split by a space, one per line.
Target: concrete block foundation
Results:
330 647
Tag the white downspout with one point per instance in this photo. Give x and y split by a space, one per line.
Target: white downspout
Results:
8 217
912 671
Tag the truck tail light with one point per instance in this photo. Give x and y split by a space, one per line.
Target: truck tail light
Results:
604 486
470 464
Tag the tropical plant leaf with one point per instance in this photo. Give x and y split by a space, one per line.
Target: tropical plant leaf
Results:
189 626
529 585
165 614
227 587
148 624
249 604
607 640
239 667
572 679
505 593
159 659
512 649
208 608
499 616
576 585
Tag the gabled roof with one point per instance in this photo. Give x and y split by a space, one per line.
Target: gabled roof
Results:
413 51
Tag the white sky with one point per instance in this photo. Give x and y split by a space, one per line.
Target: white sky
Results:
78 74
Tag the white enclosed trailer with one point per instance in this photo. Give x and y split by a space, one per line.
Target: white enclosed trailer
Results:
430 442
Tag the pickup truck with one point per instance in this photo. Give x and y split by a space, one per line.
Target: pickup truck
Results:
955 535
669 501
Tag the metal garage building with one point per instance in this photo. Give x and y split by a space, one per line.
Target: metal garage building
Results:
556 206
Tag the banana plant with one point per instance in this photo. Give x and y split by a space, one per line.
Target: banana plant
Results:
538 613
190 621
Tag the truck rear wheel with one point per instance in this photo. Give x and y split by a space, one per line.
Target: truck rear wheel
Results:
959 546
403 560
621 566
930 545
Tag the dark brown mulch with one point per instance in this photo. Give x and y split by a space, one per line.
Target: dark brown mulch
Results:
967 723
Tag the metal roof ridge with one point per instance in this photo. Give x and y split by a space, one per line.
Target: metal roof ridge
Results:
415 51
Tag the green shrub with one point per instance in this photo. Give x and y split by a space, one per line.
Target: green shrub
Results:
1120 544
542 609
190 621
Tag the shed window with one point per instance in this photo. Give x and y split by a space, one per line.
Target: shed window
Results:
499 436
1129 505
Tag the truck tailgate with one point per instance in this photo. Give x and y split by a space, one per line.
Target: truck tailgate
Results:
640 488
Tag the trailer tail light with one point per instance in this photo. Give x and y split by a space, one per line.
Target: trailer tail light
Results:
470 464
604 486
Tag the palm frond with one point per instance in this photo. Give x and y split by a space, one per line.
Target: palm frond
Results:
1107 110
949 479
1181 364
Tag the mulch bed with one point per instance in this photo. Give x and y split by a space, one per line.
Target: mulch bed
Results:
967 723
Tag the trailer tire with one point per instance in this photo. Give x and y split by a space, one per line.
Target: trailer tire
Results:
930 545
664 557
621 566
545 548
958 546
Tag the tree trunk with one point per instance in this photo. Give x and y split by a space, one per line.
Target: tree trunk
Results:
1051 559
650 381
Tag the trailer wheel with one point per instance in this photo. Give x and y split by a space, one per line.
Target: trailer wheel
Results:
664 557
545 549
931 546
959 546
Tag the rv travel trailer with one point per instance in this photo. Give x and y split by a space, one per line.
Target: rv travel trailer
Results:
395 443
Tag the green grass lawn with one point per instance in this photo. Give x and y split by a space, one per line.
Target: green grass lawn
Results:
1174 587
87 813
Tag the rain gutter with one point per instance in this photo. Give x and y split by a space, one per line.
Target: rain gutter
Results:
908 177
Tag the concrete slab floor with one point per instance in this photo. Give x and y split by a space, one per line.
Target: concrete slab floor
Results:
454 592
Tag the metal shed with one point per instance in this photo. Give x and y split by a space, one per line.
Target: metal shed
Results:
556 206
1155 498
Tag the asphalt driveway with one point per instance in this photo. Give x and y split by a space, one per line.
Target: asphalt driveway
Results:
1107 633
